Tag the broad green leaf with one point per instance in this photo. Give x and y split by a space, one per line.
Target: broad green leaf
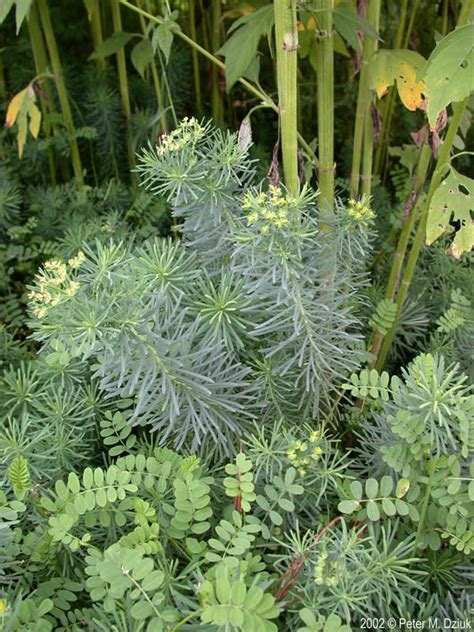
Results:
142 55
112 44
388 507
409 156
386 486
163 37
348 23
356 490
334 624
449 72
241 48
403 508
373 512
454 197
73 483
400 67
471 490
371 488
22 8
45 606
286 504
348 506
403 486
5 6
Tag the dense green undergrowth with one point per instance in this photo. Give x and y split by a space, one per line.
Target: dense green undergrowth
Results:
225 403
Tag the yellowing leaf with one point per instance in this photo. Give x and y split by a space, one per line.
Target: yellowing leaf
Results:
22 131
22 106
35 119
449 73
400 67
15 107
454 197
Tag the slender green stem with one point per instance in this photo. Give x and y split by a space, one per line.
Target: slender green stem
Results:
286 36
445 17
41 66
156 80
443 160
260 94
167 87
386 138
204 26
400 252
196 73
216 96
61 89
190 616
390 99
325 85
426 500
370 46
363 100
411 23
124 92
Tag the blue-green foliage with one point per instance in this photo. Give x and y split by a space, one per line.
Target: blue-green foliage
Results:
198 330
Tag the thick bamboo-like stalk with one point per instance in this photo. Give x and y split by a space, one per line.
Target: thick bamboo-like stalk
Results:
96 30
61 89
41 66
286 35
419 238
216 96
325 85
124 92
363 101
196 73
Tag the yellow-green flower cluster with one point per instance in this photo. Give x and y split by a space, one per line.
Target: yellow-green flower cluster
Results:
304 453
188 132
325 572
54 285
272 209
76 261
360 212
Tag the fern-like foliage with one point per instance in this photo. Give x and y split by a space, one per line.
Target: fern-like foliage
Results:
384 316
423 438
